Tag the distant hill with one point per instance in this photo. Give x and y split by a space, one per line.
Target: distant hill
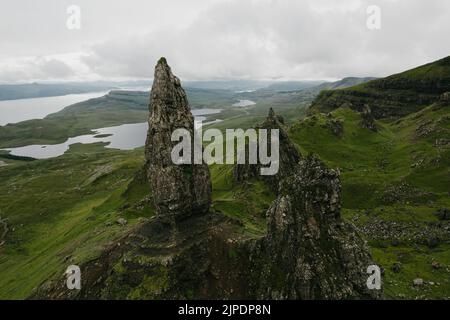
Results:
242 86
40 90
232 85
36 90
344 83
393 96
292 85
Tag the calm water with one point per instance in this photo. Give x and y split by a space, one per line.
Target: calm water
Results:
13 111
244 103
123 137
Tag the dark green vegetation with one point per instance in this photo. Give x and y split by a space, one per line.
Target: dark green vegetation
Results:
395 181
394 96
64 209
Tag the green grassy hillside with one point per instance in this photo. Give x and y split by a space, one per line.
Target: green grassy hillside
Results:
394 181
64 210
393 96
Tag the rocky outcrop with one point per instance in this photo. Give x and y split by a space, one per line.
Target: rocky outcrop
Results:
313 253
288 155
179 190
443 214
445 98
367 119
336 126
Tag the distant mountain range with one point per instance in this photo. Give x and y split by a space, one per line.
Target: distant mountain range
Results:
37 90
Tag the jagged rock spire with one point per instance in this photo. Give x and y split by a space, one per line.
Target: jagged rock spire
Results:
288 155
313 253
178 190
367 119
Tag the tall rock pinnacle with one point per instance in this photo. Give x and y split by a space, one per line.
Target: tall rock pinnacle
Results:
179 190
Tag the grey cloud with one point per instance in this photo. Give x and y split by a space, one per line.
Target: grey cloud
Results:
296 39
31 69
54 68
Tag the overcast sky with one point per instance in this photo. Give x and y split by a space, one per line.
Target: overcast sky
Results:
218 39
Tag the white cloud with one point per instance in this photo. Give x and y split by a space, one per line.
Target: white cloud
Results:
297 39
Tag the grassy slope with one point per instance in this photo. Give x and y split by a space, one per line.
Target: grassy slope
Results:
63 211
396 95
246 203
372 163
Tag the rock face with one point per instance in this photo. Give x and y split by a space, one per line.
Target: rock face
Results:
313 253
443 214
445 98
367 119
288 155
336 127
178 190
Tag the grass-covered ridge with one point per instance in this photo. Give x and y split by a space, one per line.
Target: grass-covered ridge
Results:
394 96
